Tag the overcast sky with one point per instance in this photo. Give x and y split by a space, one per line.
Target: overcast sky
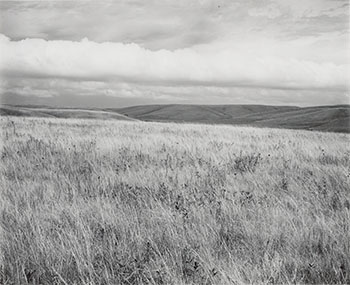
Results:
118 53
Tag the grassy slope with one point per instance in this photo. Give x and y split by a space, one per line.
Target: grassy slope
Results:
329 118
114 202
60 113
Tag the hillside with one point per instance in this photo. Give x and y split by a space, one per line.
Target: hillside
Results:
22 111
322 118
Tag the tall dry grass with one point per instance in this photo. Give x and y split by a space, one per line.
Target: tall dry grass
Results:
105 202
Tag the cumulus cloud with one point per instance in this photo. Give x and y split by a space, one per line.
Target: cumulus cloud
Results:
228 66
137 52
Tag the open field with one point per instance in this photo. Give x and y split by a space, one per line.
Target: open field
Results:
122 202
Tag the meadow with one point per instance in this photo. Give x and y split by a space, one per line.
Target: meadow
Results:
123 202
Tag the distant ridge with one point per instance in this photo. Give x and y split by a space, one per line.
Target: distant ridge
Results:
321 118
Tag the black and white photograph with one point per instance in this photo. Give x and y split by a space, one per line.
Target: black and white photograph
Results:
174 142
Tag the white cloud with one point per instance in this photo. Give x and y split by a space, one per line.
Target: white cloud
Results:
242 51
228 66
29 91
271 12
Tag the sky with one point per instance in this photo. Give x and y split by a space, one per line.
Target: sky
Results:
122 53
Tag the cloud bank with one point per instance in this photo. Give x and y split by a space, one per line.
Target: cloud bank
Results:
108 61
202 51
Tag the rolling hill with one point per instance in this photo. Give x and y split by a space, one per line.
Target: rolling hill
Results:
24 111
321 118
